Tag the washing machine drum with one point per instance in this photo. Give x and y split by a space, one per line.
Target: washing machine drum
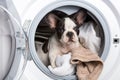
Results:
11 45
108 29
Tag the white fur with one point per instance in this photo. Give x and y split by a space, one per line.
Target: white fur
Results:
54 50
63 66
88 37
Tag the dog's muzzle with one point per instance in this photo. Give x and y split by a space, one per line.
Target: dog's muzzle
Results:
70 36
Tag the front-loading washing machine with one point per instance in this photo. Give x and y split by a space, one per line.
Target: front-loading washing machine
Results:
20 22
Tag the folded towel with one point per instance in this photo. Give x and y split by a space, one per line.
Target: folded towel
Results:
89 65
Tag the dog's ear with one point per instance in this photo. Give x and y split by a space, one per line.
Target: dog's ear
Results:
52 20
80 16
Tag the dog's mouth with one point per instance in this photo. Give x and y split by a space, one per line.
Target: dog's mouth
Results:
71 40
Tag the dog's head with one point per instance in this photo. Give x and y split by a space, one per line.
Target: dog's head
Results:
67 28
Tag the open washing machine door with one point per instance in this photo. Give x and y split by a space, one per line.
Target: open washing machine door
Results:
13 55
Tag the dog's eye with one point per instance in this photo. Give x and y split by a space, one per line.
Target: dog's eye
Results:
62 30
59 31
76 29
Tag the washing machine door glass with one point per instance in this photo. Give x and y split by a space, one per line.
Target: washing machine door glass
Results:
12 46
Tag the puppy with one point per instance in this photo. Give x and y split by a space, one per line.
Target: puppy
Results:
63 65
88 37
66 34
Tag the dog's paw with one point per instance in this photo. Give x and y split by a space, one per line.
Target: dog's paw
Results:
50 68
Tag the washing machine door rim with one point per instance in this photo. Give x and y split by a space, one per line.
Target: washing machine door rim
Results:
19 59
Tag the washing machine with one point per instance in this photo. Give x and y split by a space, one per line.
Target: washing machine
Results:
19 23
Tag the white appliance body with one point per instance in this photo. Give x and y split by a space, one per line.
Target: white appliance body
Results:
31 11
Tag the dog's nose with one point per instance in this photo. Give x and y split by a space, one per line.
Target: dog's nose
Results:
70 34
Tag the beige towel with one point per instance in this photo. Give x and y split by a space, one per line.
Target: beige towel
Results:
89 65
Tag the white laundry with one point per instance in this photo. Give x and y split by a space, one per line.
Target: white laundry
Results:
88 37
64 67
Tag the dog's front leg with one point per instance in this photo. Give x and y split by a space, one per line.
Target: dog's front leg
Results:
52 56
52 61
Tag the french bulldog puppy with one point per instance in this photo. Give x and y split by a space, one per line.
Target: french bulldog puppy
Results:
66 34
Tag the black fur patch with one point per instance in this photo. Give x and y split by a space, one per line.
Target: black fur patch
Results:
45 46
76 29
60 28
